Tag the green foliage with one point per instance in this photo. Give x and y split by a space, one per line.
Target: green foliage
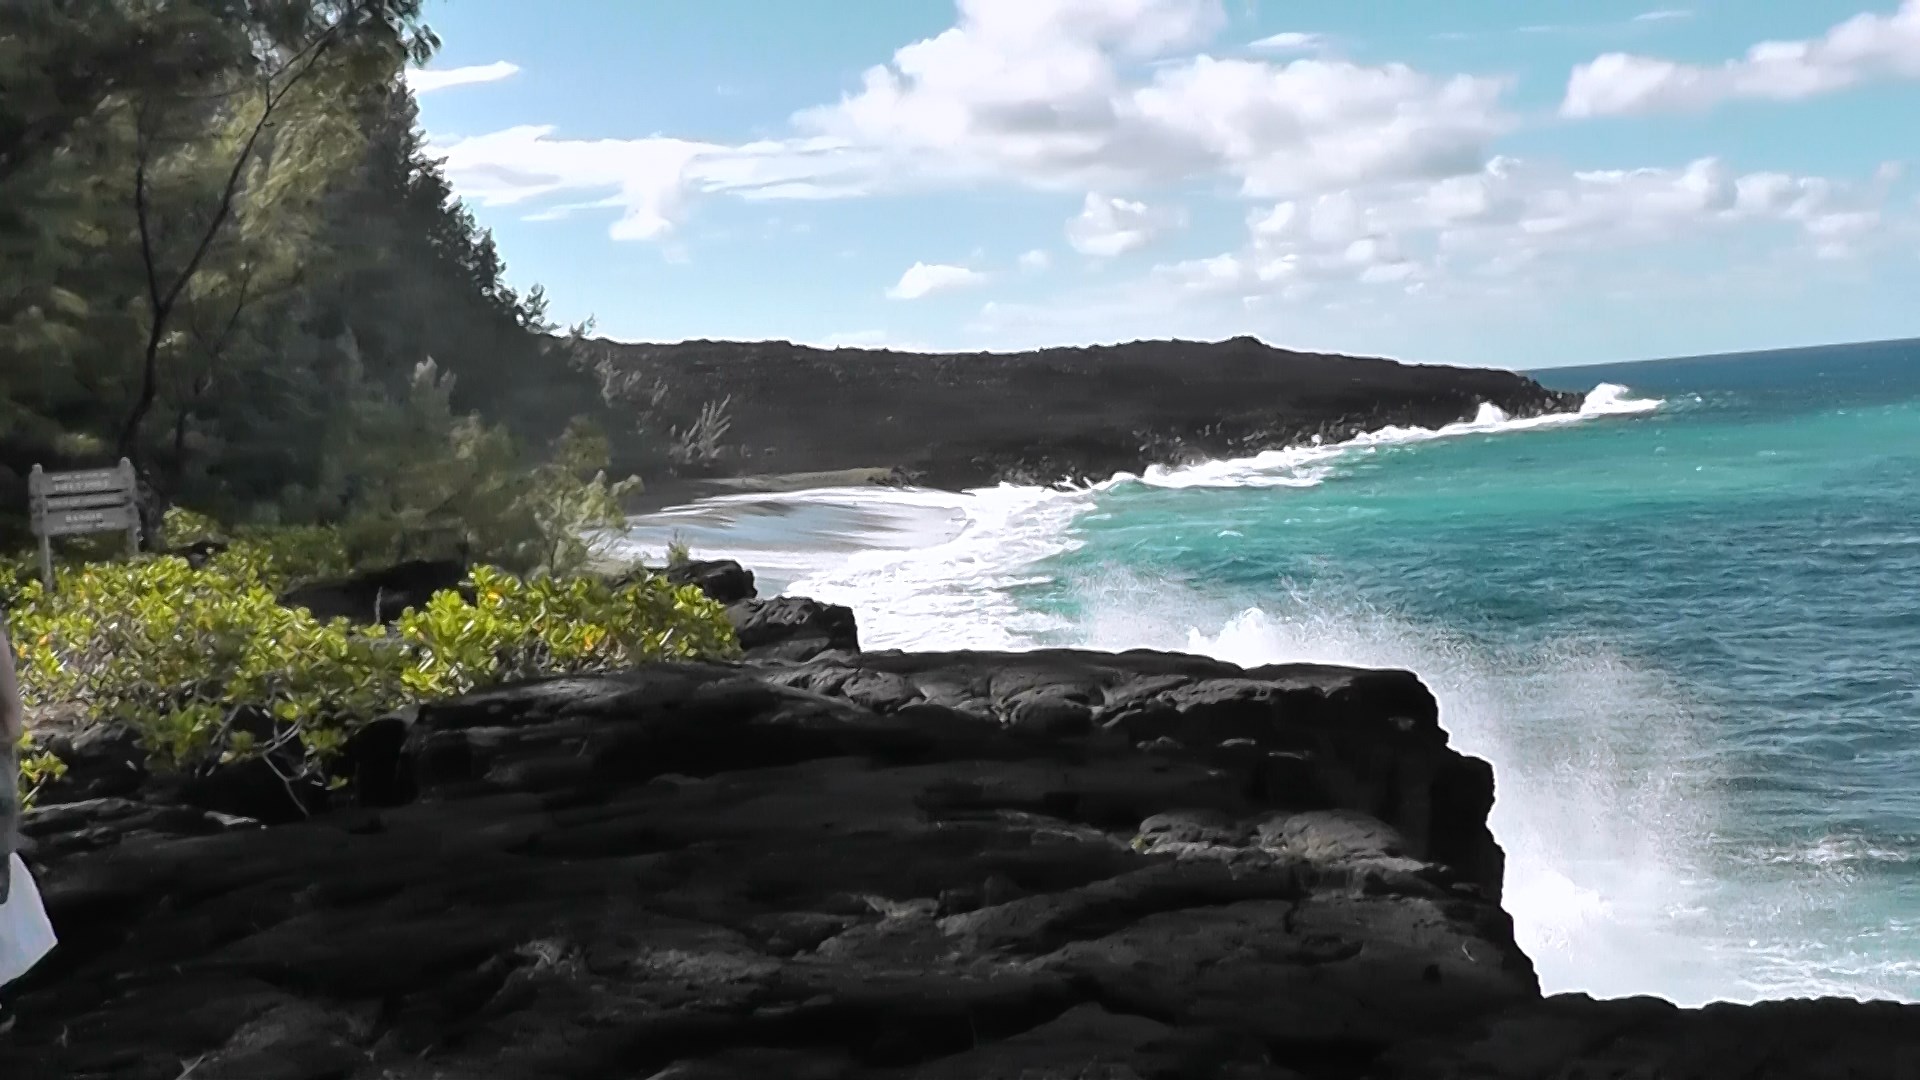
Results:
418 474
221 236
185 656
38 767
517 628
227 253
176 154
679 552
279 557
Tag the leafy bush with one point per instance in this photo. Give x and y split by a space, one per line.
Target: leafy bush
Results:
37 767
517 628
279 557
187 657
416 473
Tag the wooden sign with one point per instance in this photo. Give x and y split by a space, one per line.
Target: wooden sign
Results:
90 482
77 503
79 521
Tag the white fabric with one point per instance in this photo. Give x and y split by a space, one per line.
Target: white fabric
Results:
26 937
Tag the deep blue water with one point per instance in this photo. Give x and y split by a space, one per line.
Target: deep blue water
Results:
1687 637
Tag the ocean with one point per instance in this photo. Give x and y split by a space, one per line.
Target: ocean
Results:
1683 624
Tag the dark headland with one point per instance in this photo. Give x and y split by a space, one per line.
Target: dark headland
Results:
827 864
966 420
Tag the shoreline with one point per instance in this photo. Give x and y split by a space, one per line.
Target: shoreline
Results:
676 493
1023 861
960 421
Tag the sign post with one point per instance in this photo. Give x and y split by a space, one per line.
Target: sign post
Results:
74 503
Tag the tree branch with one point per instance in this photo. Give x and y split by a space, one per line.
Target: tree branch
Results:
162 305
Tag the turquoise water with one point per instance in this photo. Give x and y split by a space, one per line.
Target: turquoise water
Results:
1688 638
1702 621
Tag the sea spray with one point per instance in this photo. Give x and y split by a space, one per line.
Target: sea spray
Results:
956 588
1596 829
1310 465
1626 873
1605 836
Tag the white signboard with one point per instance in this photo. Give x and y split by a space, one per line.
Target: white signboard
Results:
90 482
76 503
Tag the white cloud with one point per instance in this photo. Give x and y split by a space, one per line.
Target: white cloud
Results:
1291 41
1106 227
1663 15
1059 95
1514 216
1371 180
1865 47
649 179
1517 240
1838 235
925 279
1319 124
423 81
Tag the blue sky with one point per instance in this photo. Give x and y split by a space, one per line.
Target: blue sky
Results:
1489 182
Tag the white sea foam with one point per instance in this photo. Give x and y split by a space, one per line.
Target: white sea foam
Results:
1605 836
929 569
1308 466
1605 802
958 594
951 582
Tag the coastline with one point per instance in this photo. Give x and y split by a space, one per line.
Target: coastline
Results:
828 862
674 492
959 421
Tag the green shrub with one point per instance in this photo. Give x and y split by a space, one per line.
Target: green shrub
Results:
176 653
414 479
427 481
37 767
517 628
279 556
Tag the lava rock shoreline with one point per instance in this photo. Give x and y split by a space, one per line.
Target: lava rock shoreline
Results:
965 420
828 864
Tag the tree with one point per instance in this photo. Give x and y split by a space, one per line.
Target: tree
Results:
283 102
414 472
400 243
176 151
60 60
223 240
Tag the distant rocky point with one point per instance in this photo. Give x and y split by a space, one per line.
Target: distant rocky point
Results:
957 420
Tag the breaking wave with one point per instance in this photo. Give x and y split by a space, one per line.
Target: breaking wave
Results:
1610 845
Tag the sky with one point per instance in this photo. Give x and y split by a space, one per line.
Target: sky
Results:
1448 183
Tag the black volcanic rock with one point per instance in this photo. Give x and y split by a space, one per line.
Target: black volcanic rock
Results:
723 580
1573 1035
792 628
956 420
704 870
864 867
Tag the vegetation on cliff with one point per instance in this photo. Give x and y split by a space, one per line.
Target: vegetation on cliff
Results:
208 666
226 253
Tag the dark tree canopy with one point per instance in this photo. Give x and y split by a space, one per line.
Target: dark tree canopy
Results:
225 253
